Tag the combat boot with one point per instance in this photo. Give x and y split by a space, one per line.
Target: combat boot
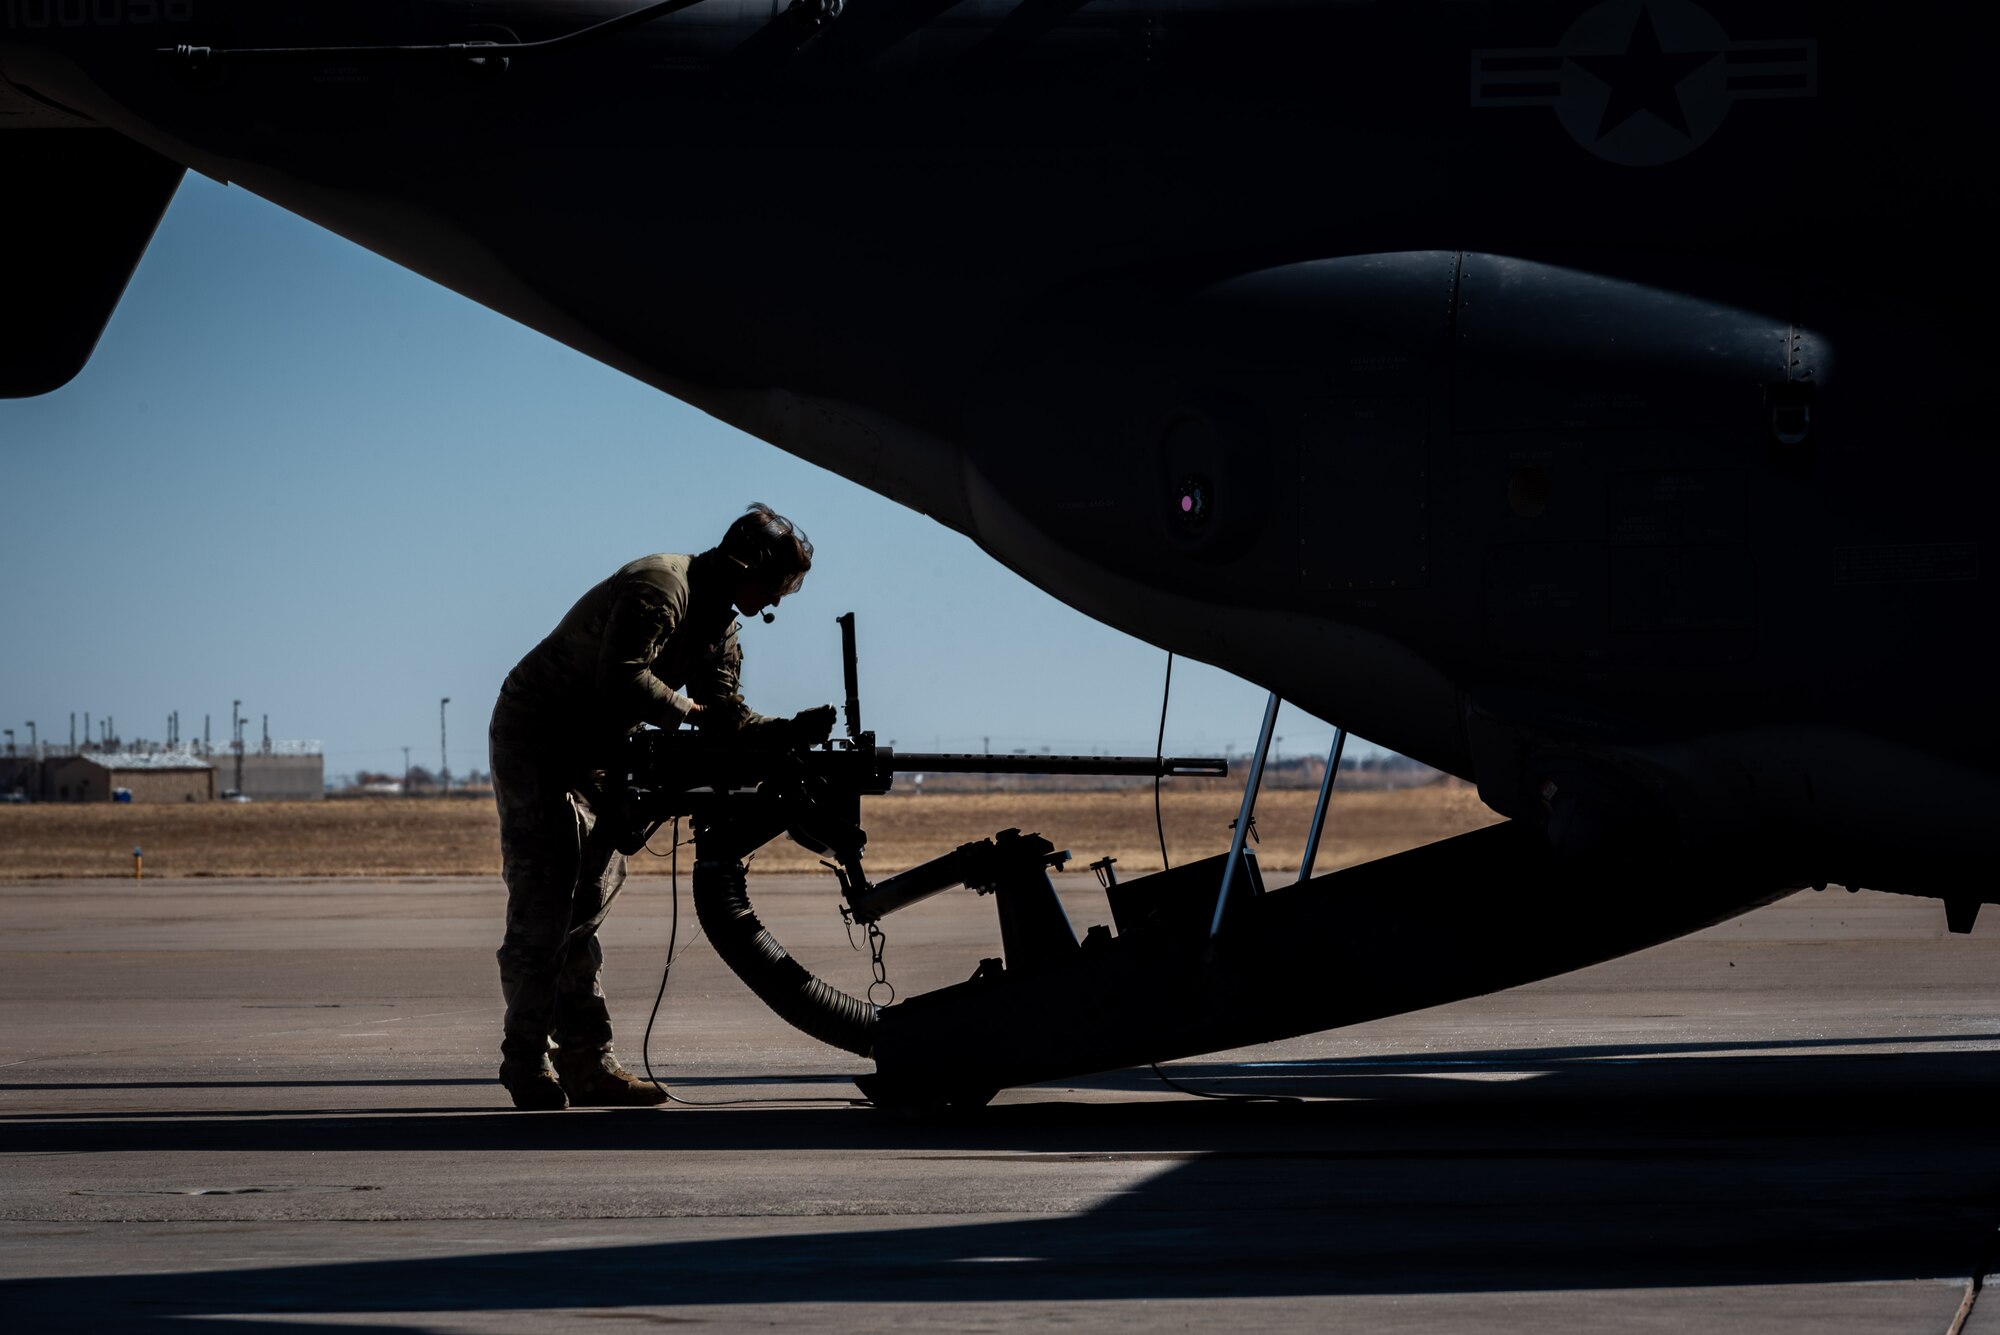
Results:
596 1080
535 1090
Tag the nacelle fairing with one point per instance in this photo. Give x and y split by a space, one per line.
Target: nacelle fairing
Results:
1559 530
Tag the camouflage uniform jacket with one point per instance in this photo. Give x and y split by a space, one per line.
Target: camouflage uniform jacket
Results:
624 655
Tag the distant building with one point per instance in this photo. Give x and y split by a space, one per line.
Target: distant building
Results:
95 776
276 772
288 772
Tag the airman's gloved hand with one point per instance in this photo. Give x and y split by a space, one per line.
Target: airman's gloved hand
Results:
812 726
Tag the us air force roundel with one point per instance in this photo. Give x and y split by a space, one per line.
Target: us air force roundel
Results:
1643 82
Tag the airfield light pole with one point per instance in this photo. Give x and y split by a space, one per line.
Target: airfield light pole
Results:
236 740
10 739
34 743
444 755
406 771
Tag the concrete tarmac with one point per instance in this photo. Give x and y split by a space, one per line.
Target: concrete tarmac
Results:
268 1105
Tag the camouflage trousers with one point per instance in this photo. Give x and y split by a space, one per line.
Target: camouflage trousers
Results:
562 872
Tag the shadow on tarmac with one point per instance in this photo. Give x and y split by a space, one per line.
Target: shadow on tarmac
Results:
1627 1169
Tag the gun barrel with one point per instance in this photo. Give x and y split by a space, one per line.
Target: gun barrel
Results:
941 762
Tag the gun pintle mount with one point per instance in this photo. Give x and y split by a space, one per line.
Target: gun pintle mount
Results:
740 793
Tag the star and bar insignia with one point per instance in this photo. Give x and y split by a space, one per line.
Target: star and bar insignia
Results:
1644 82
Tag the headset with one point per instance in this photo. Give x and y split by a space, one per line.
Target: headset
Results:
762 541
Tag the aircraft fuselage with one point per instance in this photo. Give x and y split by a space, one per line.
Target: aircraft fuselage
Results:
1580 398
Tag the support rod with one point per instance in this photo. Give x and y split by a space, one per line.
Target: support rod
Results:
1244 813
1319 811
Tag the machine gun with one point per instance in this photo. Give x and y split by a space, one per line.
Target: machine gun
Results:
739 792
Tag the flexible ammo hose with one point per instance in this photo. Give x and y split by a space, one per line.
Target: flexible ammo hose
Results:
780 982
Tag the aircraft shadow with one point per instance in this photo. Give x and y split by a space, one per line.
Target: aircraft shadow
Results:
1767 1168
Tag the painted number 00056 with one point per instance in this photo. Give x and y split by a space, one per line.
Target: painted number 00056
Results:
34 14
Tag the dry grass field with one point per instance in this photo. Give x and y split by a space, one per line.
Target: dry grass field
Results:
410 837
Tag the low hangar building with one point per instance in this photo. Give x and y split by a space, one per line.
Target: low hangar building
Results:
97 775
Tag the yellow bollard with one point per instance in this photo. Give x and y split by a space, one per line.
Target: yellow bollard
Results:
138 854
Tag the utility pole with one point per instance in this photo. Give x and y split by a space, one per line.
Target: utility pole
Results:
444 755
72 732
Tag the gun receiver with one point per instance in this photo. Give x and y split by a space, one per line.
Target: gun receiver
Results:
814 794
668 774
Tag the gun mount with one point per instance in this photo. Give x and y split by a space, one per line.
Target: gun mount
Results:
740 792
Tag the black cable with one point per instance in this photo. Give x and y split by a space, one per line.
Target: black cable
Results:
673 931
1160 827
646 1043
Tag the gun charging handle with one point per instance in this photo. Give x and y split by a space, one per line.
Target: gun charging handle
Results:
850 676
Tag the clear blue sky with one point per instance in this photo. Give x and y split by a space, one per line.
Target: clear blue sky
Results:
296 475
